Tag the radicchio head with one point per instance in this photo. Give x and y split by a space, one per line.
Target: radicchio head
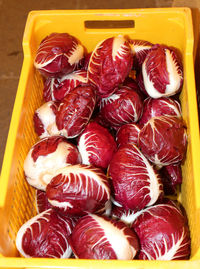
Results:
75 111
136 184
124 106
45 157
78 189
163 140
163 232
110 64
159 107
45 235
96 145
162 72
97 237
58 54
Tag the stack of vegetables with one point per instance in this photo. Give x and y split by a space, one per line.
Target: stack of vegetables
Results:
111 144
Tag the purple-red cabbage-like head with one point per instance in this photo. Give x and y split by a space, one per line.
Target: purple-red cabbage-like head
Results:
78 189
163 140
122 107
96 237
163 233
75 111
171 176
135 182
58 54
127 133
162 72
46 236
110 64
96 145
45 157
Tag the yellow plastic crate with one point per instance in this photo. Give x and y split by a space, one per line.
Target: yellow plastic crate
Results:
171 26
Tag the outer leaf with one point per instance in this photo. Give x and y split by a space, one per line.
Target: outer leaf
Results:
163 140
127 133
140 49
58 54
109 64
96 145
45 235
136 183
77 189
163 233
101 238
75 111
45 157
69 82
45 120
42 203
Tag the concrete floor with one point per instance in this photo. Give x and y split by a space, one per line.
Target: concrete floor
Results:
13 15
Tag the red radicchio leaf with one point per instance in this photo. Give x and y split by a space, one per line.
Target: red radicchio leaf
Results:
50 86
140 82
163 232
136 183
42 203
140 49
96 145
85 61
75 111
133 84
45 235
109 64
127 133
38 125
97 237
58 54
163 140
46 146
77 189
156 66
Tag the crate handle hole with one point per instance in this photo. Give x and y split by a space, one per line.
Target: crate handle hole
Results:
109 24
